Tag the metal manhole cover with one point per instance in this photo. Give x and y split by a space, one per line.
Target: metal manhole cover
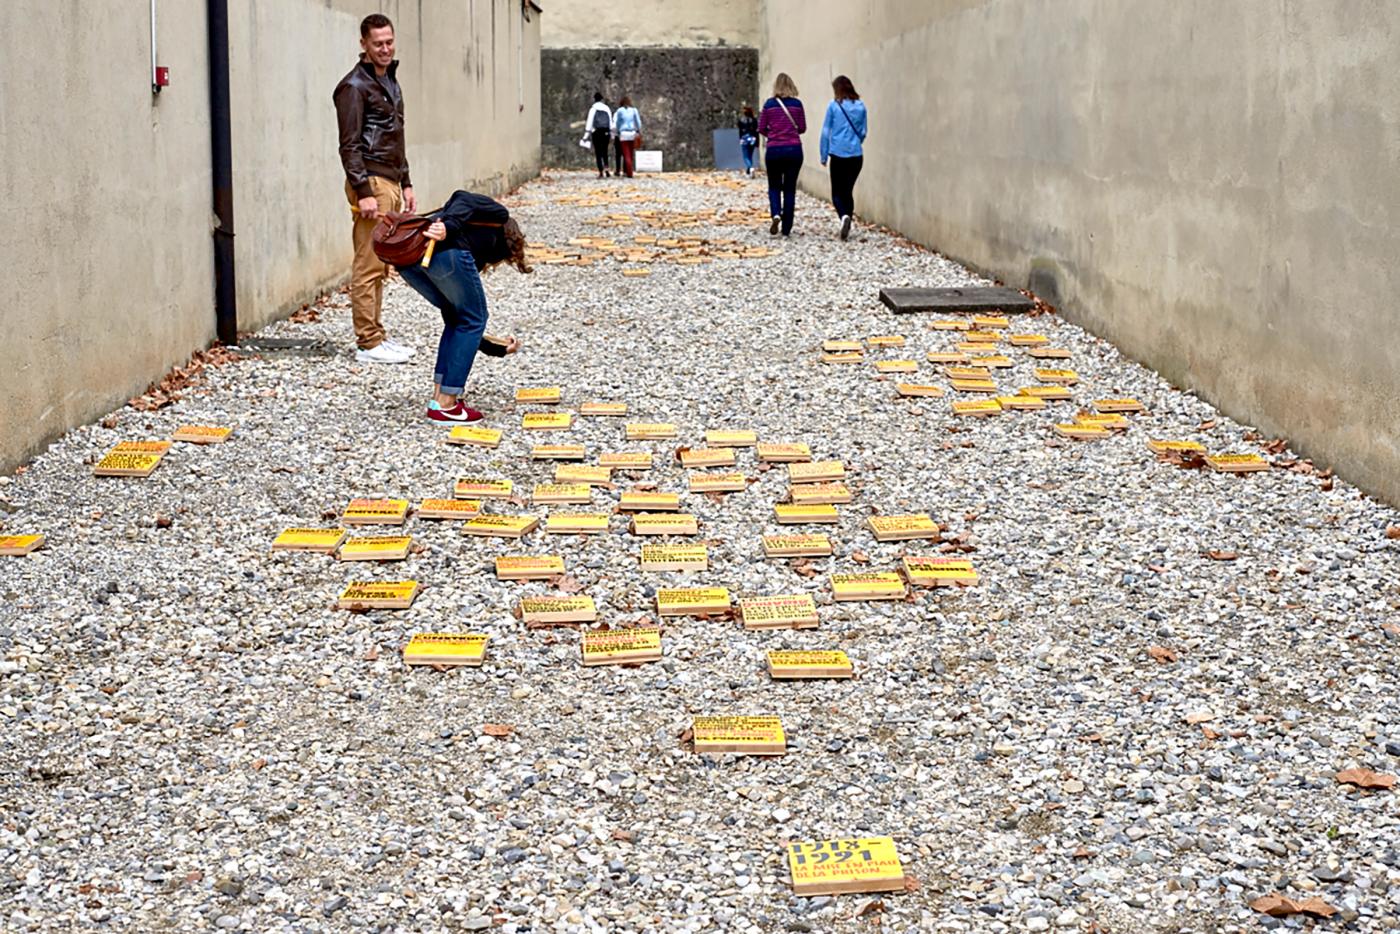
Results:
301 346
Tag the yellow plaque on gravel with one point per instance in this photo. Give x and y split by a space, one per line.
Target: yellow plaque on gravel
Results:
141 447
783 611
665 523
1080 432
976 348
896 366
576 609
1048 353
528 567
626 460
1177 447
842 346
1027 340
323 541
1057 377
622 646
976 409
839 867
482 488
576 523
1236 463
868 585
707 457
201 434
816 472
915 389
122 464
476 437
994 362
641 501
375 548
20 544
1112 421
796 546
583 473
700 482
375 512
1021 403
981 337
967 372
903 527
730 438
447 649
449 508
636 273
991 321
650 431
784 665
886 340
1108 406
1048 393
974 385
501 526
743 736
691 601
538 394
562 493
938 572
848 357
675 558
558 452
948 358
378 595
952 324
547 421
829 493
784 453
795 514
603 409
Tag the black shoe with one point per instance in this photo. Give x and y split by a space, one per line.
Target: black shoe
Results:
773 227
845 227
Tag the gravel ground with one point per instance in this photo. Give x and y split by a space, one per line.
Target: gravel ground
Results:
195 737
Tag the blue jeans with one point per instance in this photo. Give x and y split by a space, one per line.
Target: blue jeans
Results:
784 165
747 145
452 283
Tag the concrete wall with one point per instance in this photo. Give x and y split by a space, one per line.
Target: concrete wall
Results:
642 23
1211 186
108 280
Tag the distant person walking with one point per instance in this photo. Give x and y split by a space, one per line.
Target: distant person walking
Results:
748 138
843 139
627 124
369 111
599 124
782 123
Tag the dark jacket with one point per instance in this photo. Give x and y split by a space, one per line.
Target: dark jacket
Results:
748 126
369 110
475 223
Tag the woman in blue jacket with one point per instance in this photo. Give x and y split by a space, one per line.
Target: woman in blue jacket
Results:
843 136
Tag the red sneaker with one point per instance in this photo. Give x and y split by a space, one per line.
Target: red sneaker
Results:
456 415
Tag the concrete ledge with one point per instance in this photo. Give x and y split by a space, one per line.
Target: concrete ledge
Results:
906 301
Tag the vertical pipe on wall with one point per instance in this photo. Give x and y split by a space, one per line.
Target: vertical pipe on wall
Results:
221 147
155 87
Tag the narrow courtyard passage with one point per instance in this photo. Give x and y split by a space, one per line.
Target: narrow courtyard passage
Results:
1115 689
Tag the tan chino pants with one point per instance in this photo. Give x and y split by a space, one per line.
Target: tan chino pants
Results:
367 273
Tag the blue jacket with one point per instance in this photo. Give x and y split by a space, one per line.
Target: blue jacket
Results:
842 137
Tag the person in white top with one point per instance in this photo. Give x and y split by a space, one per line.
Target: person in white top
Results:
627 124
598 128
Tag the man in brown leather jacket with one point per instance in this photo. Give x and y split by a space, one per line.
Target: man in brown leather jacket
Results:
369 109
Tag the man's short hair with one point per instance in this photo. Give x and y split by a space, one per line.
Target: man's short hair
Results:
374 21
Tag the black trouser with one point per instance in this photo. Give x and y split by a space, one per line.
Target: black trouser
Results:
600 149
784 165
617 154
844 172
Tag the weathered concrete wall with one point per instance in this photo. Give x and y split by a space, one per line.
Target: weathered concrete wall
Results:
682 95
1211 186
109 280
639 23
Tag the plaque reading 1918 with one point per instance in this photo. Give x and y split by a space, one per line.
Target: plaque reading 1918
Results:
842 346
785 665
795 514
626 460
603 409
868 585
840 867
1048 393
375 548
449 509
979 408
482 488
1027 340
378 595
938 572
1107 406
1021 403
917 390
974 385
322 541
820 493
784 453
885 340
622 646
1079 432
1111 421
558 452
650 431
665 523
202 434
562 493
501 526
717 482
896 366
948 358
547 421
375 512
903 527
446 649
707 457
782 611
1236 463
691 601
675 558
528 567
20 544
574 609
730 438
477 437
123 464
744 736
816 472
644 501
796 546
1177 447
576 523
583 473
538 394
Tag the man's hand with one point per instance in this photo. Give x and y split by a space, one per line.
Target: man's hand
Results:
410 203
369 208
436 231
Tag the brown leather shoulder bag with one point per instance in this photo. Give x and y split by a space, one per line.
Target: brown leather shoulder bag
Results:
399 238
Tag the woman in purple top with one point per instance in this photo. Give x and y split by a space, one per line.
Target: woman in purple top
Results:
782 123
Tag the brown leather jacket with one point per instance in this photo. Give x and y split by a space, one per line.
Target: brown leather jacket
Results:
369 110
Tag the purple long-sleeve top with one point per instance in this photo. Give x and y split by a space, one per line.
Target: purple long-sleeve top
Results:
776 126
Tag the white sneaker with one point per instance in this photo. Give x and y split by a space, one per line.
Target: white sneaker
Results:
380 354
398 348
845 226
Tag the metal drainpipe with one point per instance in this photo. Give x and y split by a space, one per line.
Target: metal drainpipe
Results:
221 145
